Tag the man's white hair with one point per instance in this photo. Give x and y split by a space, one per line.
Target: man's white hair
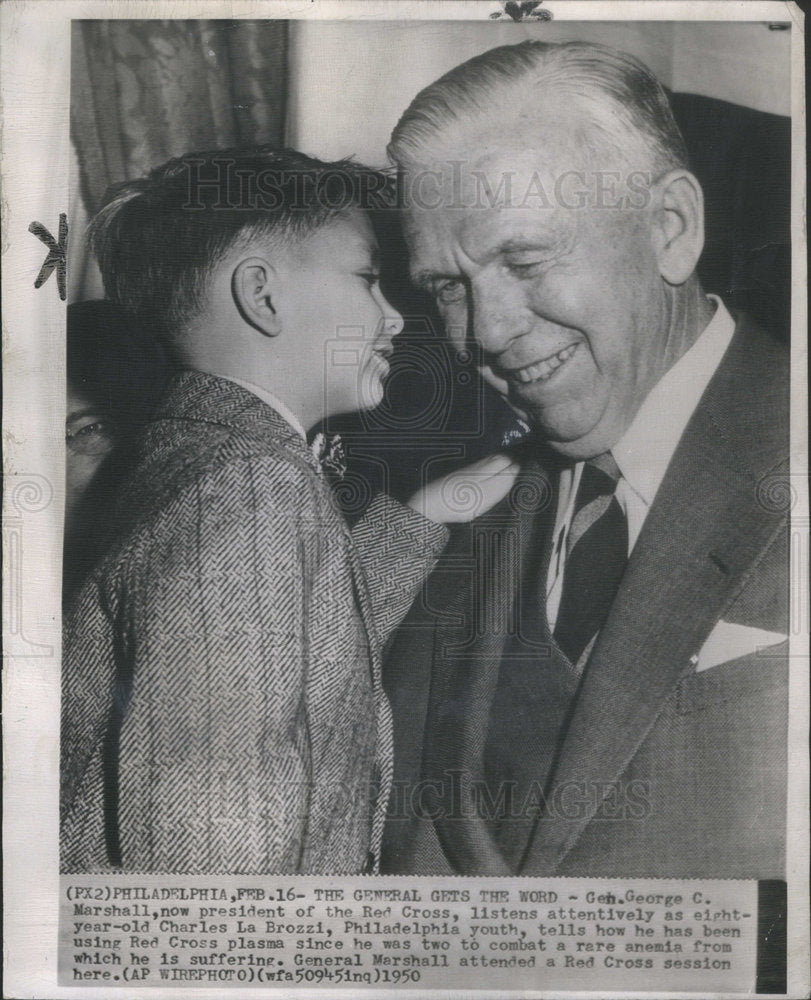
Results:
625 116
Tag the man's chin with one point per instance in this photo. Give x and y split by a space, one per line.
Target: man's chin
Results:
595 442
575 440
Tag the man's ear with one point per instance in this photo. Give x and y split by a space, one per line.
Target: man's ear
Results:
678 225
255 286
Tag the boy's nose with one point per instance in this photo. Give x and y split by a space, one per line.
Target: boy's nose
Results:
393 322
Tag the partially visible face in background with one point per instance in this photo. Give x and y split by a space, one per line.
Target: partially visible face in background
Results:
90 438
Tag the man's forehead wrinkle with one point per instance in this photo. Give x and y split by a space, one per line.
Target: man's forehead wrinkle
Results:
539 121
430 255
432 260
487 232
522 177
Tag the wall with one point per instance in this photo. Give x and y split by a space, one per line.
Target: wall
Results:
350 81
743 63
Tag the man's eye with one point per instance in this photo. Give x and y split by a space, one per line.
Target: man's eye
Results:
449 291
524 268
94 438
370 277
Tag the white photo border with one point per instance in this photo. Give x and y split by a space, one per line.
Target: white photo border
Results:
35 165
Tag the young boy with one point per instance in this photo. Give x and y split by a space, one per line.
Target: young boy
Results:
222 705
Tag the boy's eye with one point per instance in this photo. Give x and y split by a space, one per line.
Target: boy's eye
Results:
370 277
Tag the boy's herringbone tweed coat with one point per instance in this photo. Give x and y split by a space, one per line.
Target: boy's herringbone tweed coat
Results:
222 708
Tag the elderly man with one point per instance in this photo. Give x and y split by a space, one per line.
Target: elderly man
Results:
595 679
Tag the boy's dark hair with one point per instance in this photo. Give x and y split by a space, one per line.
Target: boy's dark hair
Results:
157 238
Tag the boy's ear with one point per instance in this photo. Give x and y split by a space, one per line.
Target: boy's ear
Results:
678 225
255 286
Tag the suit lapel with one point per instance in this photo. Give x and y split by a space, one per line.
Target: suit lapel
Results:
466 660
688 564
480 612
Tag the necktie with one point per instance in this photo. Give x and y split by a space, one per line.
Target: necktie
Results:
596 555
329 450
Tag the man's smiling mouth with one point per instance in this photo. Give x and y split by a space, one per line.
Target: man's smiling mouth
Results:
540 371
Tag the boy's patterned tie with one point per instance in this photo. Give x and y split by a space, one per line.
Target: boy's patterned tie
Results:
329 450
596 556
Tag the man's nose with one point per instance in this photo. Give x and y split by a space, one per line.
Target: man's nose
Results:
498 317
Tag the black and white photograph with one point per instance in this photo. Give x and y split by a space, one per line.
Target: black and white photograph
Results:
416 597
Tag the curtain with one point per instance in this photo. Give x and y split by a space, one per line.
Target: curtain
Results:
144 91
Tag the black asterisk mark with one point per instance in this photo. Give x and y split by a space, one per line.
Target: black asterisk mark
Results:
57 254
524 10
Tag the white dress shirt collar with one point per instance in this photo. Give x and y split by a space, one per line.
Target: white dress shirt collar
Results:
645 450
273 401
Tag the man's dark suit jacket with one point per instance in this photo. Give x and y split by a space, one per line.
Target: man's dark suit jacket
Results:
663 769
